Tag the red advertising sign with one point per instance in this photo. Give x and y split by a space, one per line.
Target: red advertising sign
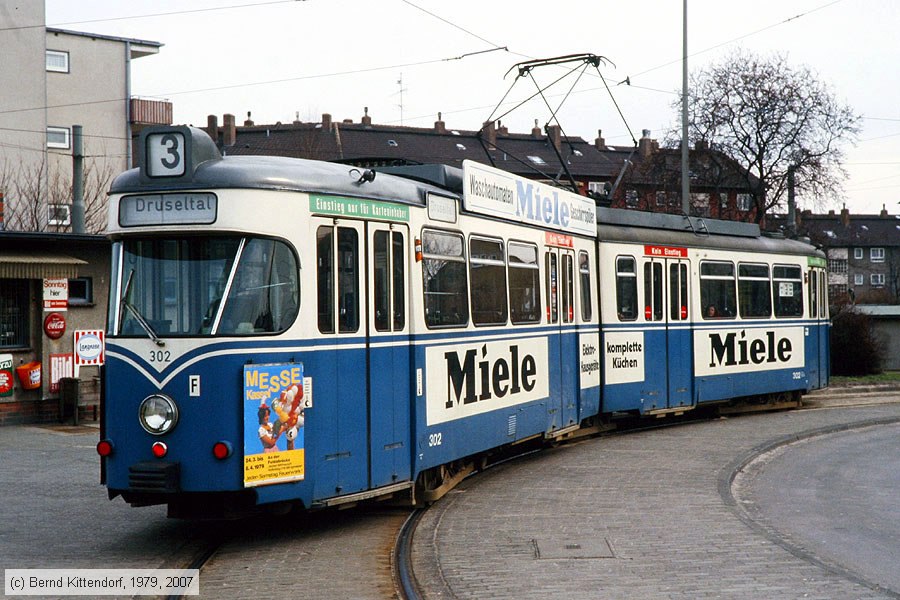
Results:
56 294
665 251
54 325
558 239
89 349
60 366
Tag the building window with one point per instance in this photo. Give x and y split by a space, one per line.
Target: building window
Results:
859 279
59 214
876 254
631 198
837 290
858 253
14 302
57 61
81 291
837 265
744 201
662 199
58 137
723 200
700 204
877 279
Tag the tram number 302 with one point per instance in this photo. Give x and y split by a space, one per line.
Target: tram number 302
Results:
434 439
160 356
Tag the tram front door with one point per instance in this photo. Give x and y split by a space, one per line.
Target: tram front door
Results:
360 428
389 353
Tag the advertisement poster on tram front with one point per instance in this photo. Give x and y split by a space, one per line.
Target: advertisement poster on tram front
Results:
273 424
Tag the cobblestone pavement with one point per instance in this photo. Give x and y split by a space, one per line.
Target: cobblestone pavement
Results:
642 515
629 516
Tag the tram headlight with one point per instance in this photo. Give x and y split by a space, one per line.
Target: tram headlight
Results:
158 414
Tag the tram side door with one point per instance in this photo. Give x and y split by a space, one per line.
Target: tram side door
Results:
679 335
563 351
668 340
337 421
817 342
388 350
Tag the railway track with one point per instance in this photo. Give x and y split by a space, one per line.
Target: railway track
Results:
362 552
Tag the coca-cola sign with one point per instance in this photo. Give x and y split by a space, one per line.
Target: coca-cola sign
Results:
54 325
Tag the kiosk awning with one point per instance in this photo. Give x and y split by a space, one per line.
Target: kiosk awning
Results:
38 266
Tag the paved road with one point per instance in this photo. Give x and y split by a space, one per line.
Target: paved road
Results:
643 515
55 514
633 516
833 498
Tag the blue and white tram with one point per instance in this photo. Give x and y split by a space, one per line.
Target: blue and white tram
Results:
285 331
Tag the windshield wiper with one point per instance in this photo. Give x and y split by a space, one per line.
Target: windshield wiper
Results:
137 314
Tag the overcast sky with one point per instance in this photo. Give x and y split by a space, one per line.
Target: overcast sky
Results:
401 59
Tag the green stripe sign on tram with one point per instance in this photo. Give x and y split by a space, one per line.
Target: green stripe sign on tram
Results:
355 207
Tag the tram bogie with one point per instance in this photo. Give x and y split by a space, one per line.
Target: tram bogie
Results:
290 332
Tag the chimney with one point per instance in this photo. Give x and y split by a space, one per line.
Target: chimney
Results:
645 144
229 132
845 216
248 122
366 120
439 126
212 127
502 130
536 131
701 145
489 132
555 135
297 120
600 143
326 122
883 213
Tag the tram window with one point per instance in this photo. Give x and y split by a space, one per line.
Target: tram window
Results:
653 291
348 280
346 275
176 285
524 283
398 255
382 280
325 278
444 279
813 294
568 288
626 288
488 273
389 280
787 289
263 294
584 272
551 285
754 291
678 295
717 295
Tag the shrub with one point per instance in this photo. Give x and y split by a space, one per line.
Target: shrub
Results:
855 349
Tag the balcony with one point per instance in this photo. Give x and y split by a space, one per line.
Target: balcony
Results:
150 112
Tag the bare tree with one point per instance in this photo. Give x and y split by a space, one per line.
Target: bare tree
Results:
769 117
30 188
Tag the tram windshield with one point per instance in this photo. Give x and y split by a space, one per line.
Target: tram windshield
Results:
175 287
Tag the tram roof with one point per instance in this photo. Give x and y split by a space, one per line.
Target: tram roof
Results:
286 174
620 225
